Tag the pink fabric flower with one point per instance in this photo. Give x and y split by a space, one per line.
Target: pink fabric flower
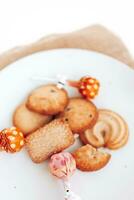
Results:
62 165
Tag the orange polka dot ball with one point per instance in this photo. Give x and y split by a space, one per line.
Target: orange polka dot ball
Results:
89 87
11 140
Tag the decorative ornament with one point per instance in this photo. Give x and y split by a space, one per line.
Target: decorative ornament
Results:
11 140
63 166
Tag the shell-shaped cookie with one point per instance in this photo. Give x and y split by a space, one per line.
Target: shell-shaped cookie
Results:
89 158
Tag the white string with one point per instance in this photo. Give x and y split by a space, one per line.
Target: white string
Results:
60 80
69 194
42 78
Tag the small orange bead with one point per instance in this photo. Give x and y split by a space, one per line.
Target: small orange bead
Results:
89 87
13 139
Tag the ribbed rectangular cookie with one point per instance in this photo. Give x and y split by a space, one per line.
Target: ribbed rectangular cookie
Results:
52 138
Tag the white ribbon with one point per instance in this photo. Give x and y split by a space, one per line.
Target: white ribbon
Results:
69 194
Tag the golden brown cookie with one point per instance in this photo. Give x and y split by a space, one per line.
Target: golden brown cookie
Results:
80 114
110 131
48 99
52 138
90 159
28 121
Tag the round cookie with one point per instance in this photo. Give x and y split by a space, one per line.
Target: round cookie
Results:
110 131
28 121
48 99
80 114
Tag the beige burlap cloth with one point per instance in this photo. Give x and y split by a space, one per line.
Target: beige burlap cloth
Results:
96 38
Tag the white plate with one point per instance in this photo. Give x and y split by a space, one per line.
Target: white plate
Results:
20 178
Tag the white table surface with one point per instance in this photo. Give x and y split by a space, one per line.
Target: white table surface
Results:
25 21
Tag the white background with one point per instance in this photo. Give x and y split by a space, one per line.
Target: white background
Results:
23 21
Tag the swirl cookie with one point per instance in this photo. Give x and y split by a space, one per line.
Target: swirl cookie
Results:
52 138
47 99
80 114
89 158
28 121
110 131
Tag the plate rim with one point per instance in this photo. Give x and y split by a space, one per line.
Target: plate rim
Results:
125 66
